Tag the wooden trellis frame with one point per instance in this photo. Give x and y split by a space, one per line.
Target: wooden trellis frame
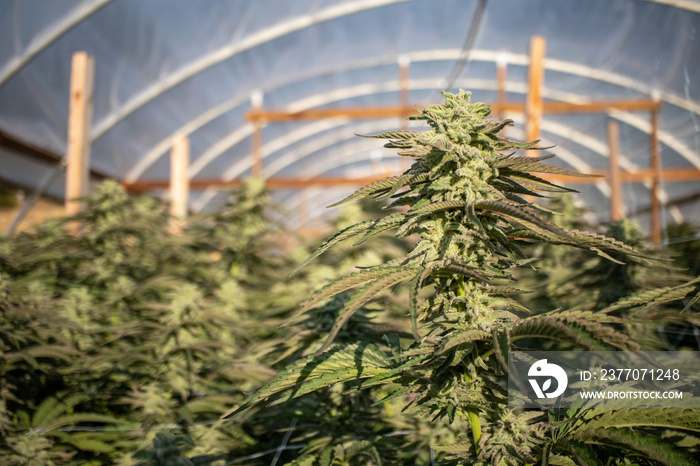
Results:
534 108
79 124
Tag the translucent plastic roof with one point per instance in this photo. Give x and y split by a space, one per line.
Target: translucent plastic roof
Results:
168 67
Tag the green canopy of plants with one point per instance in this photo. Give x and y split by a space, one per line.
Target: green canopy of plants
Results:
141 341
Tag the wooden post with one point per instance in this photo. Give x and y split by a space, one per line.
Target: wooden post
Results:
179 178
404 100
303 209
501 96
655 180
256 99
404 93
614 179
534 107
79 119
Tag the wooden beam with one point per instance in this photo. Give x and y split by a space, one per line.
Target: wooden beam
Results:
179 178
404 90
79 119
20 146
270 116
28 188
614 179
534 108
641 176
303 208
656 180
501 94
669 174
601 106
690 198
277 182
256 169
604 106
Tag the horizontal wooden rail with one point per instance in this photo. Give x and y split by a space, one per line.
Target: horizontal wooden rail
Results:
277 182
602 106
669 174
641 176
675 202
272 116
269 116
15 144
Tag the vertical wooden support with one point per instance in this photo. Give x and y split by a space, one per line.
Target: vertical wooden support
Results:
614 179
257 150
501 93
303 209
256 99
404 93
404 100
79 119
656 179
534 104
179 177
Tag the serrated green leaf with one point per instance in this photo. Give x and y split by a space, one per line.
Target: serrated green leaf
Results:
339 364
392 135
597 243
75 419
532 164
655 297
435 207
583 328
346 233
454 448
501 346
54 352
465 336
670 418
646 445
375 187
89 444
52 407
345 283
360 298
380 225
535 183
518 213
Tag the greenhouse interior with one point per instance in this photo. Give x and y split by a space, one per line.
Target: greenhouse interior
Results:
350 232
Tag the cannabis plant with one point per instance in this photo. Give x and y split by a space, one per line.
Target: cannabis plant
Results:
684 240
109 336
464 200
168 451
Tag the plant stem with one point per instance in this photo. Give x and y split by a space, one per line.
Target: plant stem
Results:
475 424
472 413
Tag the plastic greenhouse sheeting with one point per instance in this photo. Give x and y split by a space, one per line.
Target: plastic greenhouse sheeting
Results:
168 67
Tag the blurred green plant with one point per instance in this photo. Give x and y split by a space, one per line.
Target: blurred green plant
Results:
685 243
129 327
168 450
